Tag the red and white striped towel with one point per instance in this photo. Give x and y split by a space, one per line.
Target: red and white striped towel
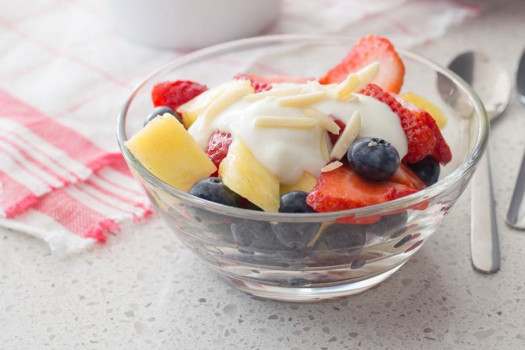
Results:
64 73
58 185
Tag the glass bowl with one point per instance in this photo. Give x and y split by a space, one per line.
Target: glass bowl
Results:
263 253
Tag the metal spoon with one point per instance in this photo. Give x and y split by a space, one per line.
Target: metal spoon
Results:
515 218
493 86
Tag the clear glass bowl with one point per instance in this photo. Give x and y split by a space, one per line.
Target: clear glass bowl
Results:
343 258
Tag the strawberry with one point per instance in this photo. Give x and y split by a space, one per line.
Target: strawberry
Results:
342 189
218 146
420 138
405 176
441 150
263 83
370 49
172 94
259 85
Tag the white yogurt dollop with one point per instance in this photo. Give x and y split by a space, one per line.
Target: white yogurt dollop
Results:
287 152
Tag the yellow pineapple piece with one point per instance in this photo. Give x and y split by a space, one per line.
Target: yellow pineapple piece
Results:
245 175
305 183
424 104
191 109
166 149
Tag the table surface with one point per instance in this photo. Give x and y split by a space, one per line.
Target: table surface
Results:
152 293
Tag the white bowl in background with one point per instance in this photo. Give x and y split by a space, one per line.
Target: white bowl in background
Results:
191 24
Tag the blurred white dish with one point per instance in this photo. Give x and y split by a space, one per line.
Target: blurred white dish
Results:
191 23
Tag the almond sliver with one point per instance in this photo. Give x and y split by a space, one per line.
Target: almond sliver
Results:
356 81
284 122
331 166
368 73
324 120
347 137
302 99
226 99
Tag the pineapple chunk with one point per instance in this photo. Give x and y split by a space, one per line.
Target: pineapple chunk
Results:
305 184
191 109
166 149
244 174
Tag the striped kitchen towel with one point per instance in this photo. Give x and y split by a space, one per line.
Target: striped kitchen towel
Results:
59 186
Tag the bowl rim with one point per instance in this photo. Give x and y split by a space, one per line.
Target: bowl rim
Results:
393 206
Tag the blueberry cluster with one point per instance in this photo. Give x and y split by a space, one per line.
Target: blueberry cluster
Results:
250 236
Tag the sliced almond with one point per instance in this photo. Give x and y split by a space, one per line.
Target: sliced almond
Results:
324 120
356 81
331 166
347 137
302 99
226 99
368 73
274 92
285 122
347 86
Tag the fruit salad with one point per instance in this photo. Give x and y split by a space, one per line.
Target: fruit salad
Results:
341 141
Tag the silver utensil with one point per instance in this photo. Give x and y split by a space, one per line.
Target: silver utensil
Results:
493 86
513 215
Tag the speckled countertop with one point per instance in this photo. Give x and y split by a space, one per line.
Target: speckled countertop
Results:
152 293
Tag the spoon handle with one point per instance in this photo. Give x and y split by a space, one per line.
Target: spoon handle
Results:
517 199
484 242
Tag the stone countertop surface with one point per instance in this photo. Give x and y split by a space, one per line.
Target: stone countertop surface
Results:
147 291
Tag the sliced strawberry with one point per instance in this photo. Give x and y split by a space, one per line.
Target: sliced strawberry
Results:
172 94
405 176
263 83
441 150
342 189
370 49
420 138
218 146
257 84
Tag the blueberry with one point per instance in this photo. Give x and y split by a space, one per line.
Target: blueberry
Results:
160 111
347 238
357 264
391 225
213 189
373 158
210 223
295 235
294 202
427 169
252 234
